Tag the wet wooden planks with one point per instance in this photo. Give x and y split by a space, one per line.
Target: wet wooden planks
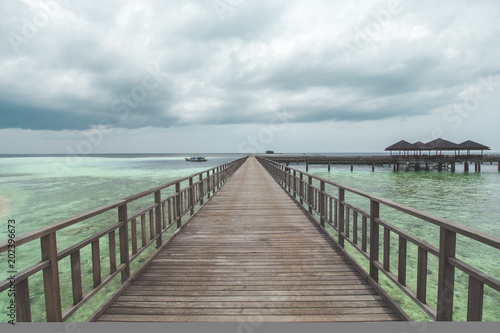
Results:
250 255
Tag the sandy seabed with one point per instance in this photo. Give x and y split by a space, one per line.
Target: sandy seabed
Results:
3 207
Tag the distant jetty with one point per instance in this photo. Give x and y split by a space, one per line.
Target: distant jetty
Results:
397 162
416 156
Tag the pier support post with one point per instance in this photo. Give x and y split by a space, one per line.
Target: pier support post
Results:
301 188
310 194
208 184
352 166
51 277
427 166
201 194
178 204
374 238
446 278
341 212
394 167
158 218
322 204
440 166
475 166
407 166
191 196
478 166
373 167
453 167
466 166
328 166
124 254
294 184
307 166
498 166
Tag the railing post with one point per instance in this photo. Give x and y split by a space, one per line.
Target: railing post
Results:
294 184
158 211
191 196
51 278
310 199
301 188
178 204
213 181
202 189
340 219
124 254
374 238
446 278
218 177
322 206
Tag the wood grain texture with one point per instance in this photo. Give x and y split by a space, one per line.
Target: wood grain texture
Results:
250 255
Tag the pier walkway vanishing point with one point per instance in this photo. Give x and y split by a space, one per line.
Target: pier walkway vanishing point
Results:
250 254
251 240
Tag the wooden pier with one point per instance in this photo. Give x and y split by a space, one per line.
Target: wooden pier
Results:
254 241
250 255
397 162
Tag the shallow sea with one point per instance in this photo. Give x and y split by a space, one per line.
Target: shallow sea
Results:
37 191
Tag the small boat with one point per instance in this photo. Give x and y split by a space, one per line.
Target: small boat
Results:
196 159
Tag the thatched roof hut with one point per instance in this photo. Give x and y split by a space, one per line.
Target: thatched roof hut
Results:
471 145
402 145
442 145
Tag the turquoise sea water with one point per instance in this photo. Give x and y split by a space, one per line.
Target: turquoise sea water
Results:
37 191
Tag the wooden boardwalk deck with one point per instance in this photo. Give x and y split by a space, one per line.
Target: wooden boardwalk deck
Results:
250 255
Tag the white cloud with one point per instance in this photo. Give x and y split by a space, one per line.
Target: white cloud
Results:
262 56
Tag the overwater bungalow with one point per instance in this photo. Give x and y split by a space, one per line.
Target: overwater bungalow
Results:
471 145
438 145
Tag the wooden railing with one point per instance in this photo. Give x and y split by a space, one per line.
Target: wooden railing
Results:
358 227
163 214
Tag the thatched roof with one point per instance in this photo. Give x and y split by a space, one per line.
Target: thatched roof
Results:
402 145
421 145
441 144
471 145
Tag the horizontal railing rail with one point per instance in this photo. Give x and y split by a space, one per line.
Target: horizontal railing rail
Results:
154 221
358 228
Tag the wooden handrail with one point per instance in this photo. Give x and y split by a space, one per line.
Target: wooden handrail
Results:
336 214
184 201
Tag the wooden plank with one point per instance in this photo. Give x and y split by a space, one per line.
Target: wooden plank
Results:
248 318
250 311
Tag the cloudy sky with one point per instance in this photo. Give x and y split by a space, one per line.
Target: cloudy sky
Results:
243 76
